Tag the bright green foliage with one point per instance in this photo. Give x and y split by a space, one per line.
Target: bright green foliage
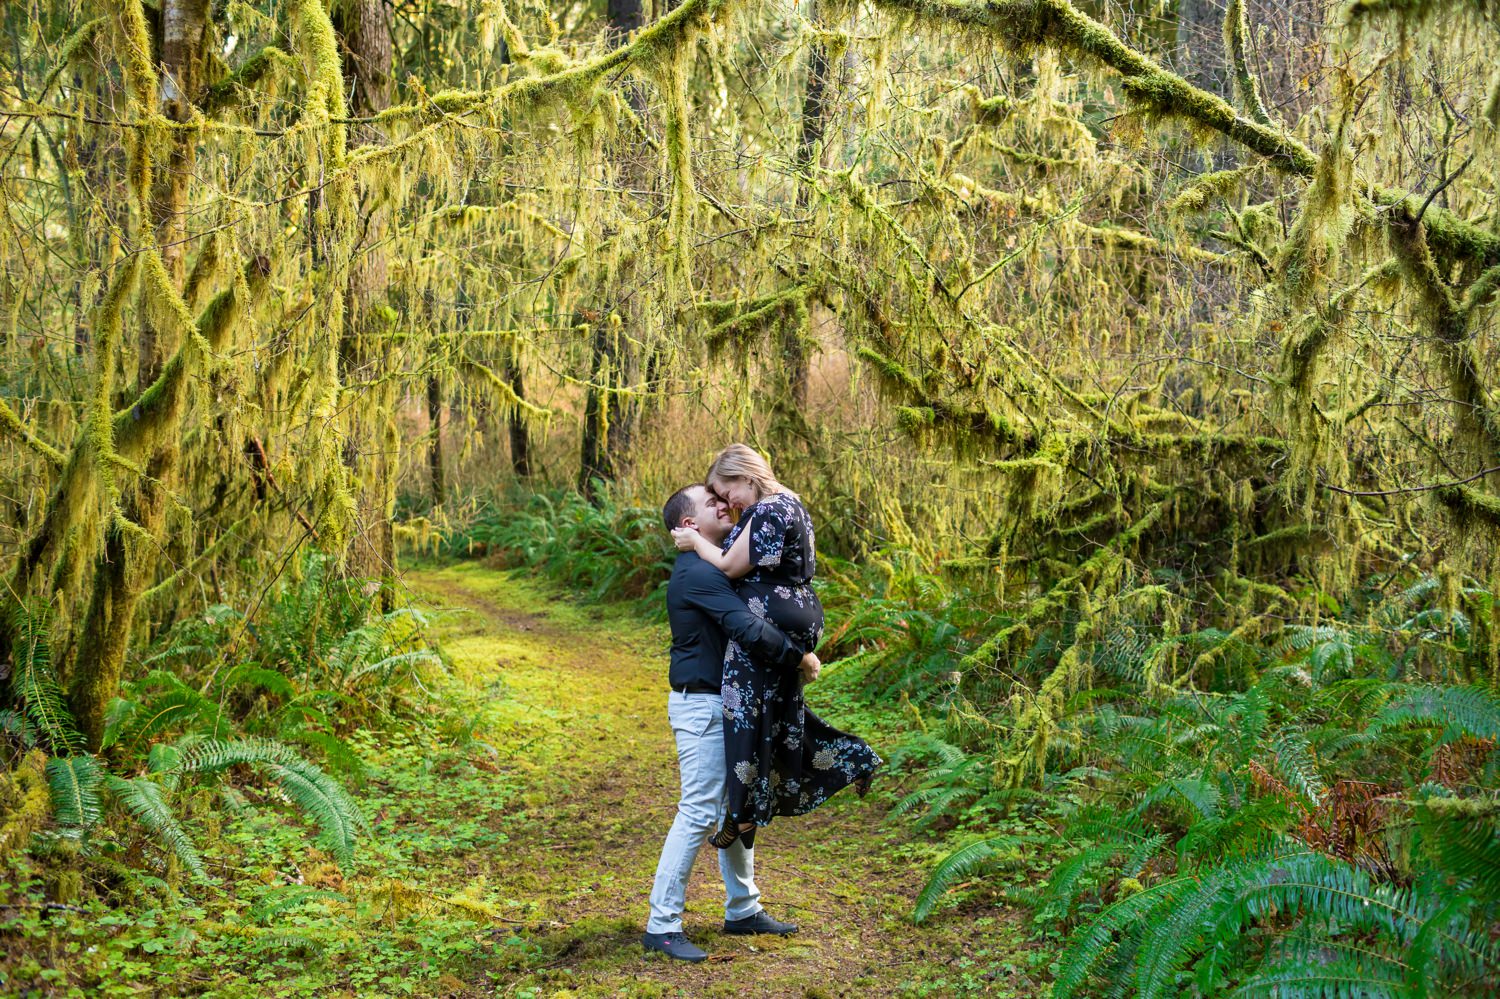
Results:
1322 830
602 549
146 801
320 797
1096 379
33 684
75 782
960 864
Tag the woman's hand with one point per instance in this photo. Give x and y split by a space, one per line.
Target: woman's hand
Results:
811 666
685 538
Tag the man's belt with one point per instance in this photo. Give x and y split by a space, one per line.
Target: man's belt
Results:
695 688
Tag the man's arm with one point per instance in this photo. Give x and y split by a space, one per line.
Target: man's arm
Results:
709 591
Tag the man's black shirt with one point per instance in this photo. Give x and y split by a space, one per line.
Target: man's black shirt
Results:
704 612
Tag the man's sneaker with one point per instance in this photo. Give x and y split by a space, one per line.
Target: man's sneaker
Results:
758 923
674 945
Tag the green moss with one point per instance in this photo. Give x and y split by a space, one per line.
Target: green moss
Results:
892 374
1203 190
268 62
1025 23
992 111
1246 87
11 422
1470 506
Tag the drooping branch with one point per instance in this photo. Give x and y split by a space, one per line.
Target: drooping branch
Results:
13 423
1057 23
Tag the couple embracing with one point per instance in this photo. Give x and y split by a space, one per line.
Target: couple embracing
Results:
745 621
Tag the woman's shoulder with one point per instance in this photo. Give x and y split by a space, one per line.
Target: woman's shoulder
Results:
785 498
779 505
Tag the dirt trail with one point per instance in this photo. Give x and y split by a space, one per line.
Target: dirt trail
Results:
576 715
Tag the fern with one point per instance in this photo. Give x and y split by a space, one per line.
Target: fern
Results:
1465 837
174 705
309 788
74 782
253 677
1201 795
335 818
143 798
1093 940
1169 941
33 682
285 898
1471 711
958 864
1062 887
1296 765
1316 977
15 724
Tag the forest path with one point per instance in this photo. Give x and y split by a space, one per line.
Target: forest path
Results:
570 714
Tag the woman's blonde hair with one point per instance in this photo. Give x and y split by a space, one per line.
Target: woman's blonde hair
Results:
740 461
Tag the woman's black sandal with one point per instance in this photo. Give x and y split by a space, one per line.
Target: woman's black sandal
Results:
729 832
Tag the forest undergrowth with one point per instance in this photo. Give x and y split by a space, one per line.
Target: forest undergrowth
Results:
514 808
1309 811
465 793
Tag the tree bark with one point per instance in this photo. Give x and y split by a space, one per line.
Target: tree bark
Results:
120 576
435 449
520 437
608 419
815 110
184 26
364 348
608 423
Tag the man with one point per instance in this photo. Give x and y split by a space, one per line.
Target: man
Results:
704 611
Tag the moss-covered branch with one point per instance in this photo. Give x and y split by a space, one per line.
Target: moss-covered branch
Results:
1057 23
1246 87
13 423
137 426
228 92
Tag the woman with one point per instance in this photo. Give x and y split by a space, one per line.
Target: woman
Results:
781 758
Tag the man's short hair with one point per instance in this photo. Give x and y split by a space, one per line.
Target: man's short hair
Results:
680 505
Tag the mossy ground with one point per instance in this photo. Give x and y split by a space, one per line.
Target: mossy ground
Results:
515 838
581 726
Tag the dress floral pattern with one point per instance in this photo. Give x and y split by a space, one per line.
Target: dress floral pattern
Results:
782 759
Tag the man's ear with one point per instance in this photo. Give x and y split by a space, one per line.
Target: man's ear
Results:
688 522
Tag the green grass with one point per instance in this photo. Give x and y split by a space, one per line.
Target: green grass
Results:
516 830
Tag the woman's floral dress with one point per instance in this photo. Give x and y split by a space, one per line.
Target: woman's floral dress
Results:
781 758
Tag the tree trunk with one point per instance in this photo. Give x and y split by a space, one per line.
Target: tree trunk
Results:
625 16
184 26
120 576
608 425
364 347
608 419
815 111
520 437
435 449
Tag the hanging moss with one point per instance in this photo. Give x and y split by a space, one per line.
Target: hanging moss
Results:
265 65
1203 190
11 422
140 94
1246 86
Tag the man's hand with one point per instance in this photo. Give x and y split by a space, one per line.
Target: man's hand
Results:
811 666
685 538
